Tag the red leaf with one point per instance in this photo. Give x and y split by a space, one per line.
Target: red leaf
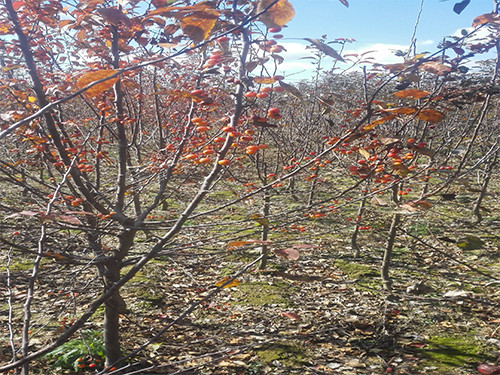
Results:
69 219
488 369
291 315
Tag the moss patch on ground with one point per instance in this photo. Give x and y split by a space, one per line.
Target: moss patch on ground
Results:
262 293
449 353
288 354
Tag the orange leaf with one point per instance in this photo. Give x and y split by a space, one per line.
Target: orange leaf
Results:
411 93
278 15
233 283
486 18
264 80
291 315
431 115
378 122
422 204
198 25
99 88
235 244
401 110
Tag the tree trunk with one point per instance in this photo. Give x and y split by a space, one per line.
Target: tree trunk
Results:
386 261
265 229
354 237
484 188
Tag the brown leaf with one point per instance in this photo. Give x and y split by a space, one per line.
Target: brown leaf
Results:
289 254
292 315
421 204
431 115
425 151
291 90
325 48
69 219
435 68
376 201
198 25
231 284
388 141
278 15
234 244
114 16
401 170
411 93
99 88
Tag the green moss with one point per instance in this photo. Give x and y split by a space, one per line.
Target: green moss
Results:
448 353
288 354
356 270
22 265
262 293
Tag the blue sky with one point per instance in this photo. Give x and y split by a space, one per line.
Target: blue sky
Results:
384 25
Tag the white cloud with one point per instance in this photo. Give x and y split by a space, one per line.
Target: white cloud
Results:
297 68
428 42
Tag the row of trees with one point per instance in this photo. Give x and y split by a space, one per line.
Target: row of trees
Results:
122 122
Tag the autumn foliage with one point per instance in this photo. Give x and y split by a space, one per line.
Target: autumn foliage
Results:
134 131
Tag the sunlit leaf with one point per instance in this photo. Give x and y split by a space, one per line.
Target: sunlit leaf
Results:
99 88
435 68
289 254
388 140
364 153
431 115
394 67
231 284
401 110
264 80
199 25
325 48
378 122
278 15
486 18
260 219
411 93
